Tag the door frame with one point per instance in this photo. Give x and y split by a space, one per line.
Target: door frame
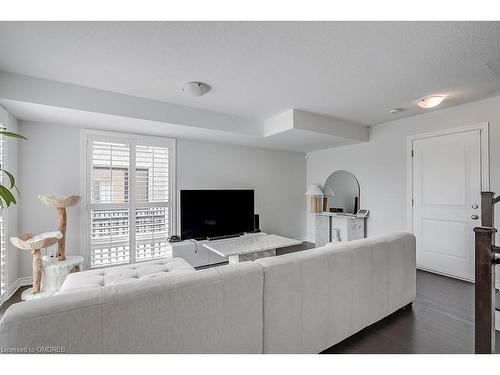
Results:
485 161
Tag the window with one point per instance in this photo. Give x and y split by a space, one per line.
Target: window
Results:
129 195
3 245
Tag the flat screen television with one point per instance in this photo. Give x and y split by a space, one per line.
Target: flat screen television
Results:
216 213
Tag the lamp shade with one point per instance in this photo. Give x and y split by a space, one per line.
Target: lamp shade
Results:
329 192
314 191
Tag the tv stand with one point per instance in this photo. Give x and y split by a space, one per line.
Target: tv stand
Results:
223 237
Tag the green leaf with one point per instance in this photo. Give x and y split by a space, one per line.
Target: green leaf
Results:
7 196
11 178
11 134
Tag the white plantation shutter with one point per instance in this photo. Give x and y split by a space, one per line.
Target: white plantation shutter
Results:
129 183
109 237
110 170
3 244
151 174
109 211
152 231
152 201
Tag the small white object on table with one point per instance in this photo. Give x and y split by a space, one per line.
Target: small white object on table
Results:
53 275
250 248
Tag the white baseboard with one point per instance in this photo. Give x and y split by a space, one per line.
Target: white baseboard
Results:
22 281
419 267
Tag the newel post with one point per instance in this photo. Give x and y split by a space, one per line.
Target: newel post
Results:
484 328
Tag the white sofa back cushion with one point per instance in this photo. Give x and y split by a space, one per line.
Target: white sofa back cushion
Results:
317 298
216 310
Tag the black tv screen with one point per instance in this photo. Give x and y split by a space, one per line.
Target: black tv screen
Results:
214 213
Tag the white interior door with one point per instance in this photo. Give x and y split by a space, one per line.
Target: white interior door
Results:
446 201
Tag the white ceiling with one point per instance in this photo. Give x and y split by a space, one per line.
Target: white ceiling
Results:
349 70
289 139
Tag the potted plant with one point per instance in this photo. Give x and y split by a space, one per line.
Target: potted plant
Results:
6 196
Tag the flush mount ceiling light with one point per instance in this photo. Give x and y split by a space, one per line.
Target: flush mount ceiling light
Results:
195 88
393 111
430 101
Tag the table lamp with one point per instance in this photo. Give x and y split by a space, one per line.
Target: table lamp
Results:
315 194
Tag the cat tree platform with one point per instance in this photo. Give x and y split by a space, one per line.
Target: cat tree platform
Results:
35 244
55 271
53 275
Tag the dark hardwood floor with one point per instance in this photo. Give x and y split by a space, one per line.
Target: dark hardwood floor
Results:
15 298
440 321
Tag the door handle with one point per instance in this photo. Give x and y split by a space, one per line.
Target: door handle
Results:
475 206
474 217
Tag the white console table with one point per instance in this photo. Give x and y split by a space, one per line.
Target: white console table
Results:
334 227
243 248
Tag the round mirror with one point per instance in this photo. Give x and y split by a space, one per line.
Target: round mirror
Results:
342 193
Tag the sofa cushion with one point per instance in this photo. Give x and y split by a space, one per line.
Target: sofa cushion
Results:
316 298
129 273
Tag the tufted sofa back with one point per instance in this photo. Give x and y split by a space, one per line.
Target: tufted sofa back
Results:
129 273
217 310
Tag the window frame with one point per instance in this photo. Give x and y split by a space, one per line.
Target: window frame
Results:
88 135
3 213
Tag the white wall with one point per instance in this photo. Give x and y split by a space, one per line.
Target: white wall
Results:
278 178
380 164
50 164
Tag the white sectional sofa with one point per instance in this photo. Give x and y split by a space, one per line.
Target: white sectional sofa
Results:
303 302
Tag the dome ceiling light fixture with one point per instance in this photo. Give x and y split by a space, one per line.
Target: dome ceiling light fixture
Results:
393 111
430 101
195 88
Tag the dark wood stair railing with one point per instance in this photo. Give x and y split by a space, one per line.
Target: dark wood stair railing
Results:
485 261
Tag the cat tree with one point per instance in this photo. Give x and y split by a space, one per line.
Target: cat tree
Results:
35 244
50 272
60 203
